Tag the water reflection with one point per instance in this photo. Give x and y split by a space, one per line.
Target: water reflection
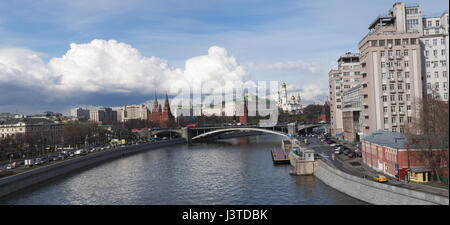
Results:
234 171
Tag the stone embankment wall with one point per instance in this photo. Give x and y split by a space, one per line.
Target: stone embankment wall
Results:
26 179
373 192
301 167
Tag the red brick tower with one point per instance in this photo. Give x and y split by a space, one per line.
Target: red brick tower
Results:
167 119
156 112
243 111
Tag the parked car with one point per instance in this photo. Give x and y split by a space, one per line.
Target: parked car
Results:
380 178
352 155
9 166
337 151
333 145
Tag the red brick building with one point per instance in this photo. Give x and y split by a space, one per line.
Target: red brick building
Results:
388 153
243 112
162 118
167 119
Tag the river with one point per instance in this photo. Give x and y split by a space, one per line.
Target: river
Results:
236 171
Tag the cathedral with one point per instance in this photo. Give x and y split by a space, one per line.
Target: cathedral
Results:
290 105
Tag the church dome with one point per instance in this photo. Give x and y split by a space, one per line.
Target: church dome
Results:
292 97
283 85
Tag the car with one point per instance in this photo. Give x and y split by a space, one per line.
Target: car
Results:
380 178
352 155
9 166
333 145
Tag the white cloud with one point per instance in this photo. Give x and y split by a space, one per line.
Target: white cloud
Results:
113 67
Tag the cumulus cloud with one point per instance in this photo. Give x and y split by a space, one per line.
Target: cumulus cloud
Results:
114 67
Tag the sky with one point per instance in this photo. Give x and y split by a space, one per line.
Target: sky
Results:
55 55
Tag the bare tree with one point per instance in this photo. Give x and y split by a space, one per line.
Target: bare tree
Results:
429 130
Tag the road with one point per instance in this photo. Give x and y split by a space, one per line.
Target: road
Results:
356 167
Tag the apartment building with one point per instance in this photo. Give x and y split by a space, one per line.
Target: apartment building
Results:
134 112
103 115
345 77
390 57
434 43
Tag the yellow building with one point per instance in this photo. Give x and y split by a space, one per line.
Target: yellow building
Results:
420 174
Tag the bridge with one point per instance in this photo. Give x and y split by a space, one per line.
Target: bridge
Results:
199 133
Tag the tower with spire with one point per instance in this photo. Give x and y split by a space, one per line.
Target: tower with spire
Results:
155 112
167 119
243 111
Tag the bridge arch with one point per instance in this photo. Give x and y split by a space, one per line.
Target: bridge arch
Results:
219 131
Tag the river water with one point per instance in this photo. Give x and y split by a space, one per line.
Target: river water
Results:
236 171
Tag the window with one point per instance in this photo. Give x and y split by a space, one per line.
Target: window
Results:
405 41
408 86
408 97
427 53
400 109
436 31
392 110
445 95
427 64
412 23
390 53
408 107
386 120
429 23
427 42
373 43
435 64
383 65
443 52
383 76
357 73
406 64
400 97
434 42
413 41
436 85
394 119
391 87
383 87
391 75
444 63
400 86
399 75
428 85
381 42
435 53
398 53
405 52
444 85
392 98
436 74
398 42
385 109
346 73
409 119
444 74
428 75
346 86
384 97
406 74
382 54
442 41
401 119
437 23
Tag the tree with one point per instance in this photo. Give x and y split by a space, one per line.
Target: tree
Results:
429 130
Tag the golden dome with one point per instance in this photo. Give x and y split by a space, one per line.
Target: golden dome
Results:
283 85
292 97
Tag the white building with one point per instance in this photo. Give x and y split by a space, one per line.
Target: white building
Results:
50 131
291 105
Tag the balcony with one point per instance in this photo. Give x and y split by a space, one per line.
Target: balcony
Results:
391 68
401 102
402 113
399 57
399 68
391 57
399 78
393 113
400 91
392 80
392 91
394 124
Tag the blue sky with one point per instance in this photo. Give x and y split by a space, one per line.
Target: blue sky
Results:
293 41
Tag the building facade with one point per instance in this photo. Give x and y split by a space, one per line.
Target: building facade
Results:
50 132
351 114
388 152
133 112
345 77
434 43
